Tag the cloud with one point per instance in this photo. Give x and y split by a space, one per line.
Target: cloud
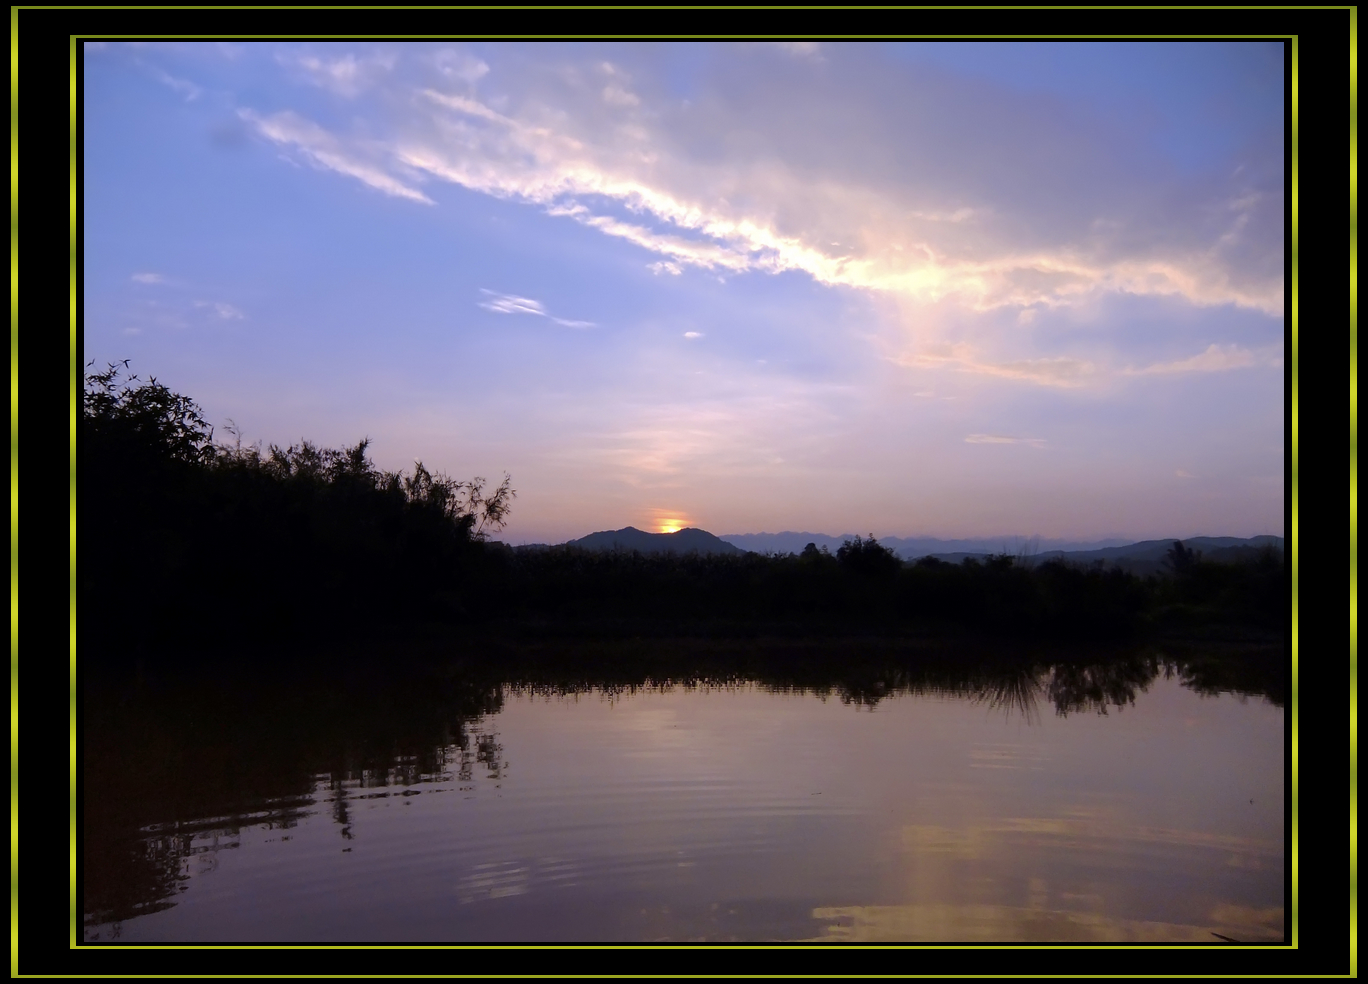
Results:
325 151
459 65
616 95
1004 243
693 334
347 76
512 304
148 278
1034 442
185 87
709 256
1216 358
1066 372
1058 371
801 49
224 310
1053 371
903 182
665 445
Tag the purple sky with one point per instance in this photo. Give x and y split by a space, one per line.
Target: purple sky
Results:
944 289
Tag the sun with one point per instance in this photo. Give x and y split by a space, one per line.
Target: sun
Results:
667 520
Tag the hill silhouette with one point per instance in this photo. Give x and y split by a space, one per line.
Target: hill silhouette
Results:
1148 556
914 547
1140 557
689 540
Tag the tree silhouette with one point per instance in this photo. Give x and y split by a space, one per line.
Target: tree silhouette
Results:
1180 559
868 557
302 537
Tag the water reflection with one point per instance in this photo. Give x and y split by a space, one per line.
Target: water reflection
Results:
176 773
1006 924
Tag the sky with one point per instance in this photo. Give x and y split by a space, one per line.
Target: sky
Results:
949 289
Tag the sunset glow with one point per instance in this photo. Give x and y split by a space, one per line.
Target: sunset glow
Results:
668 521
941 289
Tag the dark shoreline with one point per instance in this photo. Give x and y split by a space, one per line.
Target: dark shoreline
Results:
192 551
1248 660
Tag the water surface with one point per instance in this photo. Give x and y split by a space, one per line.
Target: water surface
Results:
1036 808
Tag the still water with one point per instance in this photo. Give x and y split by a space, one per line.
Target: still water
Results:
725 811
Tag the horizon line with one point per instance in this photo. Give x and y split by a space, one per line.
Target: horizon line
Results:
1115 540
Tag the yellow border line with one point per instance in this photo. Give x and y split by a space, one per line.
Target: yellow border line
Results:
1294 533
659 948
652 7
579 7
1353 492
75 362
686 38
14 497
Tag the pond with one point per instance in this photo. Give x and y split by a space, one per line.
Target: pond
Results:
1040 803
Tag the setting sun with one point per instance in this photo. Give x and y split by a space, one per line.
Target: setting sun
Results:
668 521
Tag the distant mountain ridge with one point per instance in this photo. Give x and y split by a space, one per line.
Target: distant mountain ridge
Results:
1149 556
683 541
910 548
1140 557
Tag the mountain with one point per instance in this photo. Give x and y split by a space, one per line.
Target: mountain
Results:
1148 556
680 542
910 548
1143 557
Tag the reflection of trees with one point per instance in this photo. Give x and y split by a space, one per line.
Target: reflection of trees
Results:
1018 687
132 871
1255 672
1074 687
1012 692
157 760
171 772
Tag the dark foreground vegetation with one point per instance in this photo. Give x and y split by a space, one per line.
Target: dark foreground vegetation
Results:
187 545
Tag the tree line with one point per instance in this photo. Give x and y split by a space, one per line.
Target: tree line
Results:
186 543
